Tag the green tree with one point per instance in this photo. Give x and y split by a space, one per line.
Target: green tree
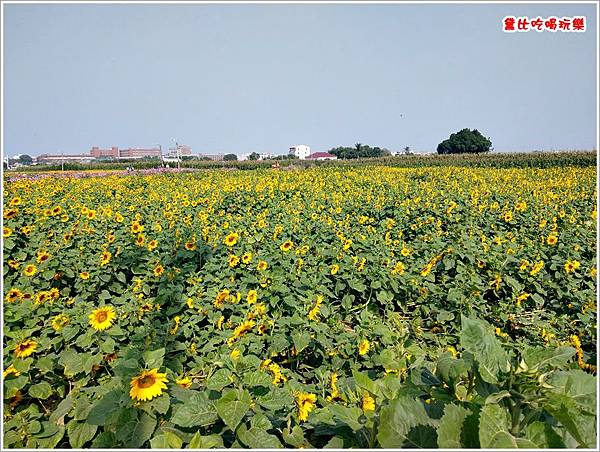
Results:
25 159
253 156
465 141
230 157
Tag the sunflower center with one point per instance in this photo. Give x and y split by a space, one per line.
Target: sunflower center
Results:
101 316
146 381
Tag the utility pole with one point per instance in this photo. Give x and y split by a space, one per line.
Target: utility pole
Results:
62 162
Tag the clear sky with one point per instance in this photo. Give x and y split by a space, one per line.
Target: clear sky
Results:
243 78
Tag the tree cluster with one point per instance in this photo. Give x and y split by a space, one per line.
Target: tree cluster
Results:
465 141
358 151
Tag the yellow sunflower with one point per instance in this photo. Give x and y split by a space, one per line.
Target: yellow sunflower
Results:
84 275
231 239
30 270
184 382
152 244
105 258
13 295
262 265
287 245
368 402
6 231
252 296
10 370
102 318
158 270
59 321
364 347
25 348
306 403
147 385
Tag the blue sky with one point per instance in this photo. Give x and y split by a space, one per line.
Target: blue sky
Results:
243 78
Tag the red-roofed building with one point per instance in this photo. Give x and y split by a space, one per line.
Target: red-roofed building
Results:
321 156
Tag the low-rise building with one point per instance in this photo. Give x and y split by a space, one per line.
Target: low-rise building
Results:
184 151
130 153
321 156
54 159
301 151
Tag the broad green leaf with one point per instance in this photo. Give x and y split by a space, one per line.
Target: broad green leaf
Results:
348 415
40 390
101 409
257 438
166 440
197 412
135 428
62 409
206 442
80 433
397 419
543 436
295 437
219 380
233 411
154 359
363 381
494 430
576 386
301 340
257 378
491 358
450 427
540 357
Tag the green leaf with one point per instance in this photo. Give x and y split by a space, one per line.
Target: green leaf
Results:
198 411
540 357
257 378
491 358
257 438
136 428
575 386
206 442
104 407
80 433
348 415
166 440
543 436
295 437
397 419
363 381
275 399
450 427
219 380
301 340
335 443
581 427
494 430
233 411
62 409
154 359
105 440
72 362
41 390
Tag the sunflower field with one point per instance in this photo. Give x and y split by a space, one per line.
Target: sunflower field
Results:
329 307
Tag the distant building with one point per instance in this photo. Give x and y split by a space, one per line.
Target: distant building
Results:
215 157
321 156
131 153
301 151
53 159
184 150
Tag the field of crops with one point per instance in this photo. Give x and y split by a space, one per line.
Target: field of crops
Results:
326 307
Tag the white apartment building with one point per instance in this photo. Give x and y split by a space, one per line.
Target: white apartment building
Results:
300 150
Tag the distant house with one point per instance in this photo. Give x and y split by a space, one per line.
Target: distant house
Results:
321 156
301 151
